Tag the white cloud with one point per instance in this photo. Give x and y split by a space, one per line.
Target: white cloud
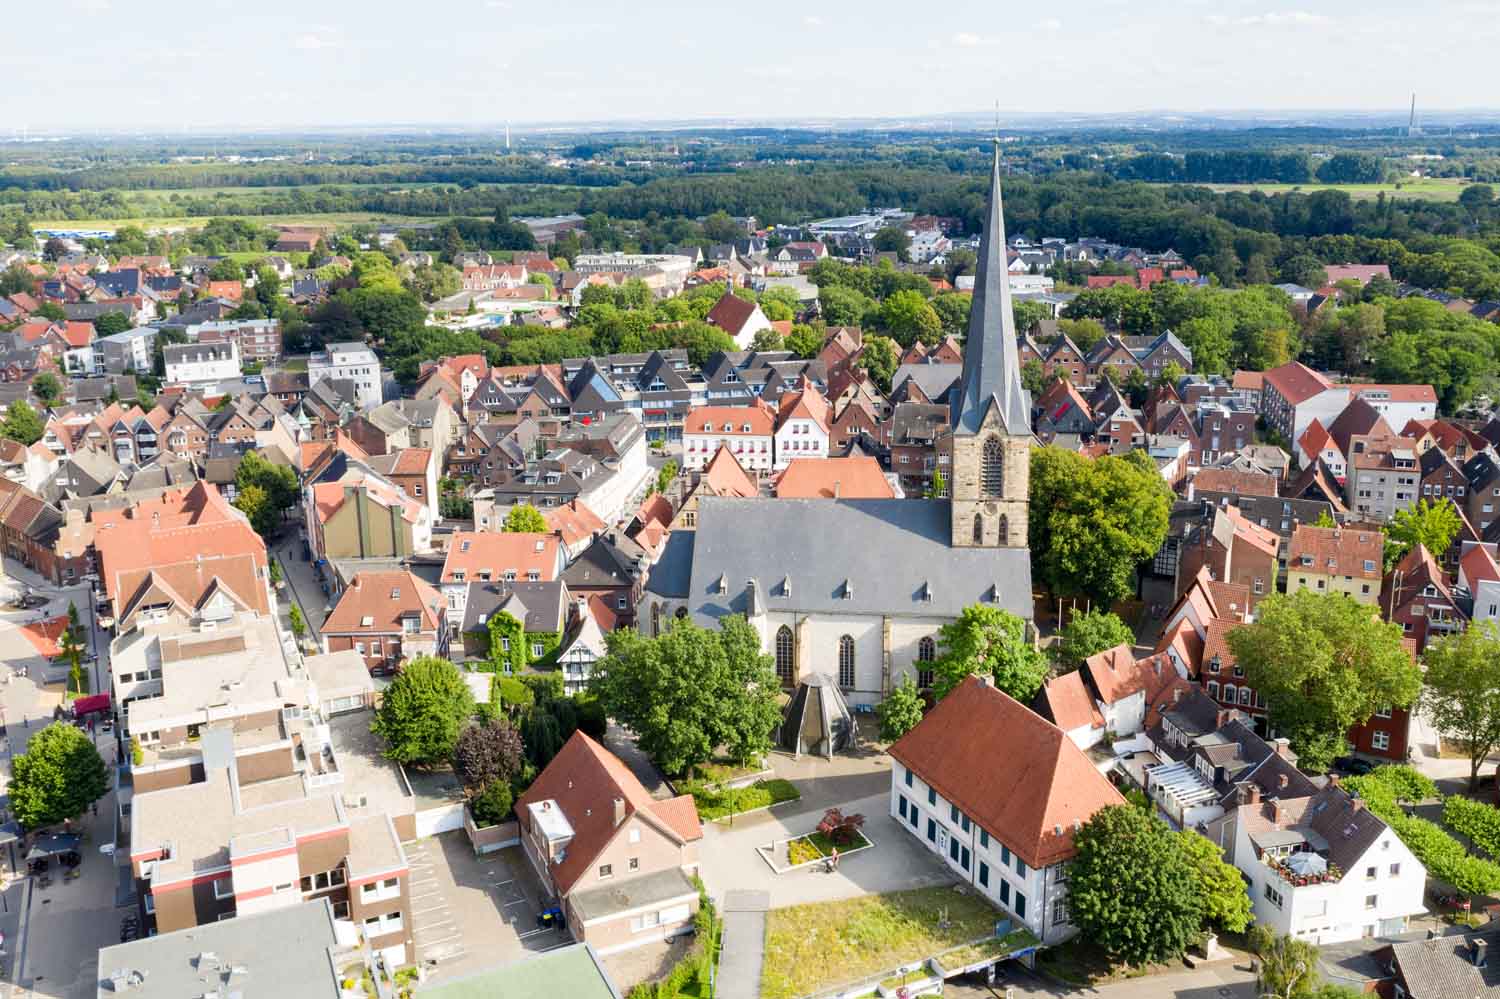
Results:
967 40
1050 24
94 6
813 22
1273 19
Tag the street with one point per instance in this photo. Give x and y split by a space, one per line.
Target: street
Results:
53 934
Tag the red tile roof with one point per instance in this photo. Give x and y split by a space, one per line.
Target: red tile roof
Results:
730 313
1296 382
1032 802
1070 704
1231 480
1397 393
1248 381
1336 551
1363 273
522 553
807 404
725 476
584 780
1263 538
1478 565
574 521
758 418
856 477
385 599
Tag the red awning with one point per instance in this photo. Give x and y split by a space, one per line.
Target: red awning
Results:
91 704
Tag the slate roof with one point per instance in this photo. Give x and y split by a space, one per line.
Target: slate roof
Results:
902 565
671 576
1443 968
539 606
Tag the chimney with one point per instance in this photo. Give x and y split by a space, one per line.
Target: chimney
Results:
1357 804
1221 719
835 488
1283 747
1252 794
1282 781
1275 812
1481 949
986 679
619 810
1177 695
1333 780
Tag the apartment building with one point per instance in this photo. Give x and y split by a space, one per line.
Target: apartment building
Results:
196 364
1336 560
348 361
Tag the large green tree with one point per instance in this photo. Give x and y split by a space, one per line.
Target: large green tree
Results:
524 518
255 505
1092 631
988 641
1094 521
691 691
1324 663
423 711
22 423
278 482
59 776
1132 888
1433 524
1226 903
46 388
909 317
900 712
879 358
1462 692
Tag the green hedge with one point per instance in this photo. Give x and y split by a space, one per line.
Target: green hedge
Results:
715 804
1444 857
1476 820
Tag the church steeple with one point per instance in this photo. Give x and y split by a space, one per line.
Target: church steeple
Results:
992 367
991 442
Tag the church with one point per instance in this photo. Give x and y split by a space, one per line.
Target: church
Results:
858 589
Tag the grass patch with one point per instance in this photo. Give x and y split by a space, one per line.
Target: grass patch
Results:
815 846
812 947
915 975
1426 188
715 804
800 851
962 957
718 773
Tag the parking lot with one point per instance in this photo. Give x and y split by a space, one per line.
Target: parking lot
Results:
473 912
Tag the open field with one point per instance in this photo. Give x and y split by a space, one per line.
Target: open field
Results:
1427 188
181 222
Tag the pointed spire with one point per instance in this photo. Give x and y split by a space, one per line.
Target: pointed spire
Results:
992 367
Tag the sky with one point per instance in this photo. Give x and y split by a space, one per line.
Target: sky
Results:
216 64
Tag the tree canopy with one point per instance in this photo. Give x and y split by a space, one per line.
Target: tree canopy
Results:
22 423
690 691
988 641
1324 663
524 518
1092 631
1462 692
1132 887
58 777
423 710
1094 521
1433 524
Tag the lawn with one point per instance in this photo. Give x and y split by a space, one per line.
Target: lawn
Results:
812 947
1426 188
816 845
715 804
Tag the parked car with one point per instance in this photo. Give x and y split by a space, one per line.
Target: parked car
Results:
1352 766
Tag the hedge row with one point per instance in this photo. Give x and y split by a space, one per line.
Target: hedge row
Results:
1476 820
1444 857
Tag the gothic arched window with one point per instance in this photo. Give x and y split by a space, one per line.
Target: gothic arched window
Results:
992 468
656 620
1004 529
979 528
846 662
926 653
786 656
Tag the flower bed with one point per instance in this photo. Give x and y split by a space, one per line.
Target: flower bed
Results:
816 846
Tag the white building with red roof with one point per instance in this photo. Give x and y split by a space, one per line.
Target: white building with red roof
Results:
1294 395
747 431
999 792
803 424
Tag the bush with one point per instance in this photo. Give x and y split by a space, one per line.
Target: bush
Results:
591 717
494 805
1405 783
841 829
1444 857
1476 820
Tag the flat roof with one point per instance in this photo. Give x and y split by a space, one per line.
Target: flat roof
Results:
574 971
632 893
281 954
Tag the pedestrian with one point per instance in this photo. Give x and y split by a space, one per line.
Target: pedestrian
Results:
835 858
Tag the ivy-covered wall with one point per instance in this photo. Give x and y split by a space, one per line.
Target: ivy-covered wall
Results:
511 647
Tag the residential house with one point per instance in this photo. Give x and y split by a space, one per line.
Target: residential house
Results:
1383 478
740 318
613 568
352 362
748 431
202 364
1415 594
614 859
484 557
387 618
1336 560
540 607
